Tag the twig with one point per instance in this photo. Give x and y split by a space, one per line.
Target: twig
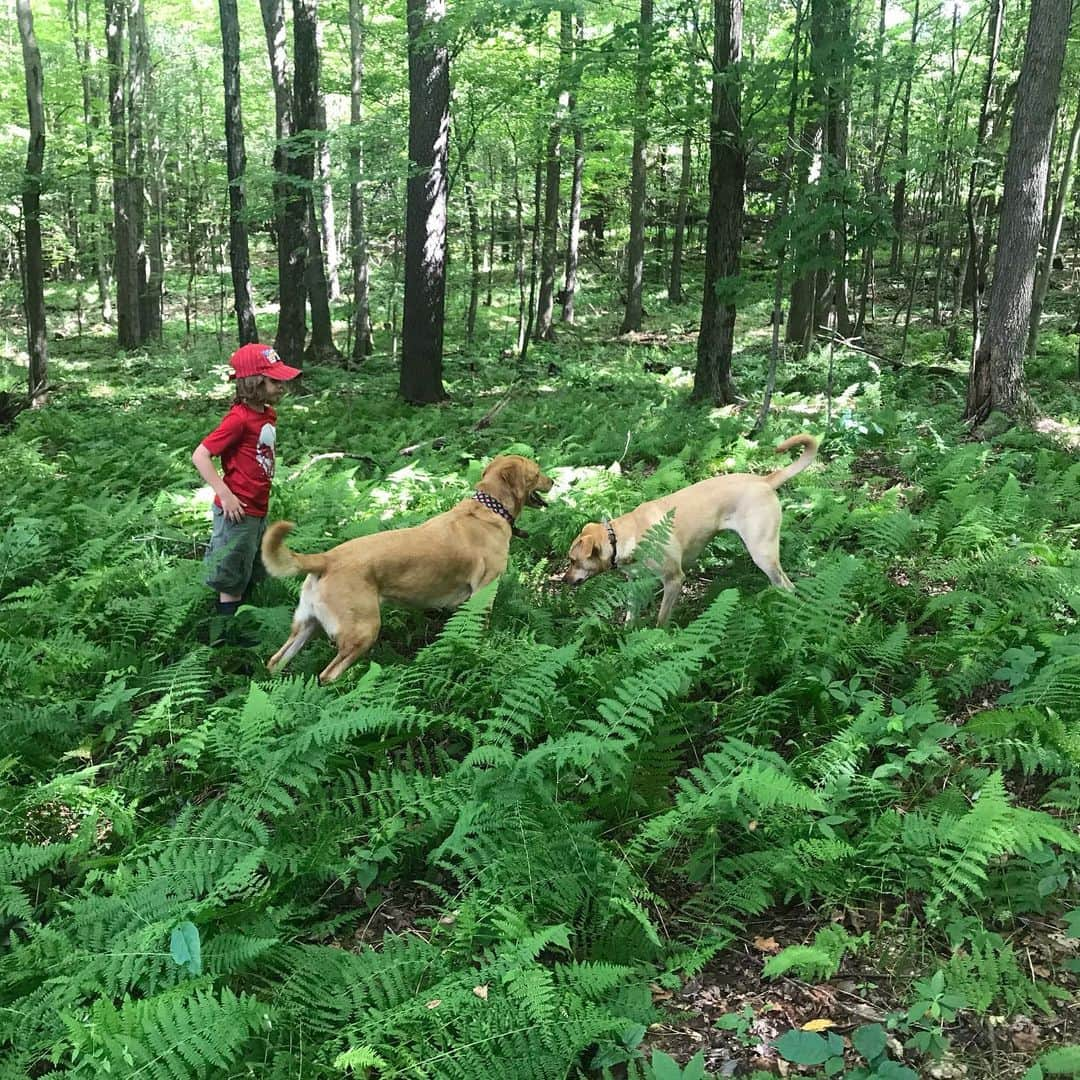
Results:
435 444
494 410
332 457
484 421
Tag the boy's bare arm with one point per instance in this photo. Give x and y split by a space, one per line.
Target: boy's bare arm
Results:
202 459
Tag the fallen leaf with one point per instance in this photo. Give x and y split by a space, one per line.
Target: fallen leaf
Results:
818 1025
434 1003
481 991
766 944
1027 1042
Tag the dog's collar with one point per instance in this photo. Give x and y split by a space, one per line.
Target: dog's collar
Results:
614 544
493 504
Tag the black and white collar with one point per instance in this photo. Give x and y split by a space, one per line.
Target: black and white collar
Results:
614 543
493 504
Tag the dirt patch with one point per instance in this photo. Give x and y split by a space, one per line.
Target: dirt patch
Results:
732 1014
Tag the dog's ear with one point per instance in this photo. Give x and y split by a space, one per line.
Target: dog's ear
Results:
519 475
584 547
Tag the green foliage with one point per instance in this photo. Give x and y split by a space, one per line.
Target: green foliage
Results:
473 855
818 961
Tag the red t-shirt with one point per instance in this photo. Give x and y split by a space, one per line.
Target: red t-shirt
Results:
244 441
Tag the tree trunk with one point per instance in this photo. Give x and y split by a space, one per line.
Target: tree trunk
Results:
306 117
33 262
519 258
236 163
552 176
90 126
1057 217
362 338
900 190
325 202
155 194
974 261
635 261
727 174
781 215
534 258
675 289
832 281
425 212
137 103
997 371
125 256
289 201
474 241
573 232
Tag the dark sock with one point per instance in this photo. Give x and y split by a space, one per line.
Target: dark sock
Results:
228 607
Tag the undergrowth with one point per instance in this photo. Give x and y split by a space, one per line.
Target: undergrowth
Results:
566 805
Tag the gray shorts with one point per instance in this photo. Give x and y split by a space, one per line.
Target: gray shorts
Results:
232 560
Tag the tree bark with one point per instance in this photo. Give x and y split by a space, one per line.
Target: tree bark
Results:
782 217
325 202
1057 217
552 176
874 184
125 241
997 371
682 201
727 175
91 124
425 212
310 134
474 239
236 164
33 262
289 201
635 261
573 231
362 337
900 190
974 245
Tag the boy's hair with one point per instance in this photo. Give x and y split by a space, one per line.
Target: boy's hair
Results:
251 390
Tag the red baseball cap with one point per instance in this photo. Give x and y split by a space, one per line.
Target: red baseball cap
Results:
256 359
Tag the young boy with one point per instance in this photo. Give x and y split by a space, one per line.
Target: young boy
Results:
244 440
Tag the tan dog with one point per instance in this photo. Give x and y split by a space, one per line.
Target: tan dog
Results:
740 501
439 564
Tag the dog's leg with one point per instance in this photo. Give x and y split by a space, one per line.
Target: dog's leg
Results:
356 634
672 588
764 549
761 535
301 632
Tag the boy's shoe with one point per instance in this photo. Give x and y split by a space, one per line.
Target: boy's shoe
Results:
227 630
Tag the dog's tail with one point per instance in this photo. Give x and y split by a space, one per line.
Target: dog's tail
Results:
781 476
280 561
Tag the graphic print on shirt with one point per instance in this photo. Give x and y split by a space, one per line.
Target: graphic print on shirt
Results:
264 452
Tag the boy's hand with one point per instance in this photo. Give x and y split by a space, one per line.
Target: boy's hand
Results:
232 506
